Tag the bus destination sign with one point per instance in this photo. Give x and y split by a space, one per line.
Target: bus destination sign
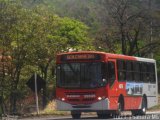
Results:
81 57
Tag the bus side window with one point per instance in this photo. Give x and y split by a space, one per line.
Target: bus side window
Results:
121 70
144 72
141 72
152 73
136 69
148 73
111 72
129 71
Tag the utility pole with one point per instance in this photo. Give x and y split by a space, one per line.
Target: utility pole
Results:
36 94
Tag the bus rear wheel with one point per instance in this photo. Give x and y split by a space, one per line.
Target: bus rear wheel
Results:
143 109
76 114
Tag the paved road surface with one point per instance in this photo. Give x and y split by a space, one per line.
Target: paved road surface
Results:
149 116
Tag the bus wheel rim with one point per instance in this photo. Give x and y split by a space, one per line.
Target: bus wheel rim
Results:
144 109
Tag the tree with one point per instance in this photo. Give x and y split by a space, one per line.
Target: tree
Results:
19 34
130 29
56 35
17 28
33 38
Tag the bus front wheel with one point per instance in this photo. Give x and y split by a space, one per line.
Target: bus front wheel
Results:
120 106
103 115
76 114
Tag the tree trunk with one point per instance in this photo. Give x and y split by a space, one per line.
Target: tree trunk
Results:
1 108
123 40
13 96
44 102
13 101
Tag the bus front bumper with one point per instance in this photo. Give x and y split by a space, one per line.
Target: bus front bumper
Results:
99 105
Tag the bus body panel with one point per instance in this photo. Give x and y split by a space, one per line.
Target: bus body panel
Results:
97 106
114 92
81 96
149 89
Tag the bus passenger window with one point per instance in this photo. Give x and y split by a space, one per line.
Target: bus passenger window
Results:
129 65
121 70
129 72
136 70
111 72
122 75
121 65
143 67
152 73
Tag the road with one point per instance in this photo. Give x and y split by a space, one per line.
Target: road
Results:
149 116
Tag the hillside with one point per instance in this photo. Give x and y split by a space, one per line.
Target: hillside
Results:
91 12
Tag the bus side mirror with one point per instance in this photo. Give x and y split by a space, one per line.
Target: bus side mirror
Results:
104 82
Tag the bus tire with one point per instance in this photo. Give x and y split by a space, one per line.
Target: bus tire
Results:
119 110
134 112
76 114
120 106
143 109
103 115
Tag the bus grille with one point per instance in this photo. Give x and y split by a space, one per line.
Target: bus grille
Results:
84 97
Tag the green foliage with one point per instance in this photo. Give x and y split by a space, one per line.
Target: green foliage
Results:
33 37
87 11
75 33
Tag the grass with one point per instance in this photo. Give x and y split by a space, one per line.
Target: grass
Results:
51 110
155 108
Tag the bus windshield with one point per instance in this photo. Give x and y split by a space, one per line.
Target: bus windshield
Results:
80 75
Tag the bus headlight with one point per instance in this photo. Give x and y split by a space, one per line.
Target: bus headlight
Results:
99 98
63 99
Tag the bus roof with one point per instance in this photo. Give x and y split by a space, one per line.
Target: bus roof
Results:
112 56
145 59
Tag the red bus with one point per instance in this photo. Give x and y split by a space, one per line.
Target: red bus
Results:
105 83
